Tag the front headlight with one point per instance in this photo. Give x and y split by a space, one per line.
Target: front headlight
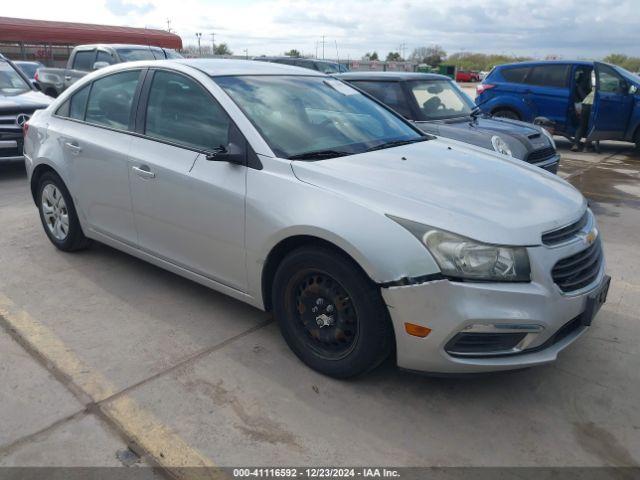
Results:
500 146
546 133
463 258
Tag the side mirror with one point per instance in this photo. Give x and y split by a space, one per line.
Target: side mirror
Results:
232 153
633 90
36 85
99 65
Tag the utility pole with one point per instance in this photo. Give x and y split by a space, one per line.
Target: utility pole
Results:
246 53
168 25
213 43
323 47
316 49
198 36
402 48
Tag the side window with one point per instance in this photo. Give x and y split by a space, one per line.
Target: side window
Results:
111 98
75 106
78 103
549 76
609 81
105 57
84 60
389 93
181 111
515 75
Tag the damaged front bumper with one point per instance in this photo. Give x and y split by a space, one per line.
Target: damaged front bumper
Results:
527 323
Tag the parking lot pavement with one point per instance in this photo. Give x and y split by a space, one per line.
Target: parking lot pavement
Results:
128 354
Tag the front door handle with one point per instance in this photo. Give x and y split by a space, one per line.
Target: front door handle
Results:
144 172
67 78
74 147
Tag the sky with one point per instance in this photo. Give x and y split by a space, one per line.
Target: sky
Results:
567 28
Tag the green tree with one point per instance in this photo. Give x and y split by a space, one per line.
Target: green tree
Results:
293 53
222 49
370 56
630 63
433 55
394 57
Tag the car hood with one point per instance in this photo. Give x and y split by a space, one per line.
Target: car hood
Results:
458 188
521 137
27 101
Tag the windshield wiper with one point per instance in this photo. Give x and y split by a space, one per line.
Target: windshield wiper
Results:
397 143
319 155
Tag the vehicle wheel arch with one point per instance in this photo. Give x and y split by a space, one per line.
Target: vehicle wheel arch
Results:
280 250
508 108
38 171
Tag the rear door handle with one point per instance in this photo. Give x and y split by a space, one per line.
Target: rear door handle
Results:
67 78
74 147
144 172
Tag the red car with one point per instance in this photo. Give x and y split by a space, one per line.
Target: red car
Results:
467 76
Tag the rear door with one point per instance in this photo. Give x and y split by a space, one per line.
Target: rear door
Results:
97 140
612 105
188 210
548 92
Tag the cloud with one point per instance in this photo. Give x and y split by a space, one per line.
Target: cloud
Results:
572 28
123 7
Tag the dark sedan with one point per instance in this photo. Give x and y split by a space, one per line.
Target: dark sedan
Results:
438 106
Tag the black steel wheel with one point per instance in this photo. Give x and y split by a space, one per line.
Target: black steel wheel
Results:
330 313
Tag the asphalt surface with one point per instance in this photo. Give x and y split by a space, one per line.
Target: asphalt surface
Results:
100 352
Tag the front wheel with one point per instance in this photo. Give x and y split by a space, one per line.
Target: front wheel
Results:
58 214
330 313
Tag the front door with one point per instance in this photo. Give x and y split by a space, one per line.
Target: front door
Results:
188 210
612 105
96 145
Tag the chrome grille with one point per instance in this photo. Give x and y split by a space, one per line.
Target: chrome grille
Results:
563 234
579 270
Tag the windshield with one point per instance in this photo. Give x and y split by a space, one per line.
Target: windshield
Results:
633 77
11 83
439 99
134 54
299 115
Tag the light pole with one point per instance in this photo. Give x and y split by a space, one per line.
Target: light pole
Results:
198 36
213 43
246 53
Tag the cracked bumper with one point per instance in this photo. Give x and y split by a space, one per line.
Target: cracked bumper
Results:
448 307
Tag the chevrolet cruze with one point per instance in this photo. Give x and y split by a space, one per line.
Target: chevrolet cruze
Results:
290 190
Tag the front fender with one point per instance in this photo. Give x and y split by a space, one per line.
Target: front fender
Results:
280 206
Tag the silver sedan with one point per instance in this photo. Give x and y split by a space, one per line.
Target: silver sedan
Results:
293 192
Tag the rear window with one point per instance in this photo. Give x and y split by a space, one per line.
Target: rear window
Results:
515 75
549 75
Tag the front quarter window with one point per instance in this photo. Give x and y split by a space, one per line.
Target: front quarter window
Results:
298 115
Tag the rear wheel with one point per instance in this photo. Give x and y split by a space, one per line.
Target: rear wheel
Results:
506 113
330 313
58 214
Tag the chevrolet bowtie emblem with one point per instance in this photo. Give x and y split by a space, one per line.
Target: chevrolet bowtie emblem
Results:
591 236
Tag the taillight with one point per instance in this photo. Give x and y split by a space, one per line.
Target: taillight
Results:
35 77
483 87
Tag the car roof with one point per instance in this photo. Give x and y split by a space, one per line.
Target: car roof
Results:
536 63
397 76
26 62
228 67
114 46
265 58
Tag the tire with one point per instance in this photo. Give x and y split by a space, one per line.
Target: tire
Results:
506 113
357 334
55 204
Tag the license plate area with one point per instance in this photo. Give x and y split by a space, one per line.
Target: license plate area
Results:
595 300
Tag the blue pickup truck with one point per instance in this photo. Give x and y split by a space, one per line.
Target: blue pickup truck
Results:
550 89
